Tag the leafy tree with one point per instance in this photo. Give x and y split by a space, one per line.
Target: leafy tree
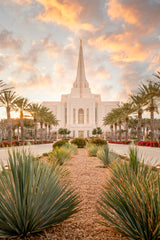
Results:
94 131
64 131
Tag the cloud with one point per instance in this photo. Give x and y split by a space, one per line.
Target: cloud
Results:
7 41
124 46
18 1
65 12
5 61
60 71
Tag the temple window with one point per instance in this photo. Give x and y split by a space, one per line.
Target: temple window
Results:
80 116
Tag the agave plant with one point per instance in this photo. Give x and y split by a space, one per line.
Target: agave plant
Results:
130 201
61 155
72 147
103 155
92 149
32 197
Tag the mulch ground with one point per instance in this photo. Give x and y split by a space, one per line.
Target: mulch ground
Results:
87 177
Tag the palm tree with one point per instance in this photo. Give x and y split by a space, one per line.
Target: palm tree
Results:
34 109
108 120
43 111
149 93
117 114
3 87
51 120
111 119
126 110
8 100
138 103
22 105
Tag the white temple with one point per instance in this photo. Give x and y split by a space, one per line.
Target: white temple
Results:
81 111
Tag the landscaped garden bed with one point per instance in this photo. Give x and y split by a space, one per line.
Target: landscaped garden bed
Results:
18 143
120 142
149 143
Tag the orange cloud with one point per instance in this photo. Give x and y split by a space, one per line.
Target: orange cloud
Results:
124 47
66 13
116 10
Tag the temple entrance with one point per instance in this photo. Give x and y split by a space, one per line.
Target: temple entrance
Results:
81 134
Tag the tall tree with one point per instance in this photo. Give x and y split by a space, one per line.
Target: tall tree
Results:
8 100
149 93
138 104
34 109
43 111
50 120
22 105
127 109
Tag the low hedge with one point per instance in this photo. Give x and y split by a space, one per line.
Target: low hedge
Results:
120 142
60 143
80 142
98 141
149 143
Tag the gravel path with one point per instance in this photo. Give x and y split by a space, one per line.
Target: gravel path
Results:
87 177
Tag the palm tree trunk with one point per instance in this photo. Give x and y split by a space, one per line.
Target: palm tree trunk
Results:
41 124
49 132
111 132
120 135
127 128
139 126
152 122
22 126
115 125
9 125
35 130
45 131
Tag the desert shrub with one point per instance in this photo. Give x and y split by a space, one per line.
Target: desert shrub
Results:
130 201
80 142
60 155
15 143
6 144
72 147
32 197
45 154
60 143
103 155
92 149
98 141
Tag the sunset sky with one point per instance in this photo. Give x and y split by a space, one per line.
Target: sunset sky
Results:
39 43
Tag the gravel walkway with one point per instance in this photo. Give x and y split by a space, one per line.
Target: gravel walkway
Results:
88 178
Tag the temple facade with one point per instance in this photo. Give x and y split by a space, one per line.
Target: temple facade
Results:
81 111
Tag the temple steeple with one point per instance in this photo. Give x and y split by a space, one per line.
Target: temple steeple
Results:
81 81
80 86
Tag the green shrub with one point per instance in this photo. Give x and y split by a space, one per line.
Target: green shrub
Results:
92 149
103 155
32 197
61 155
72 147
98 141
130 201
60 143
80 142
45 154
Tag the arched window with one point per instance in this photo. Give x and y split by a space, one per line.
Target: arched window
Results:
87 115
74 115
80 116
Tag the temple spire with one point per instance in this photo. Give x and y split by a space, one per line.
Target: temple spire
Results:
81 81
